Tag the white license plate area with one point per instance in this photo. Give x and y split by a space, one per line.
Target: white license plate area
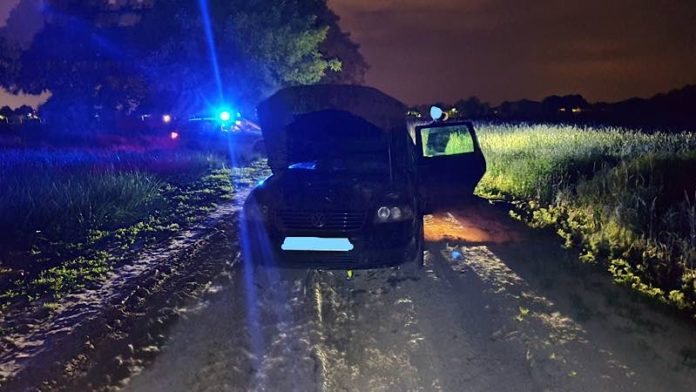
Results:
317 244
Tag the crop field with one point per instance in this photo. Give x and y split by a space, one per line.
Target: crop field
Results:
626 199
68 217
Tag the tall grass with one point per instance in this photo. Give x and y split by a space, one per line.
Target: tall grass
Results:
52 204
66 217
627 199
58 194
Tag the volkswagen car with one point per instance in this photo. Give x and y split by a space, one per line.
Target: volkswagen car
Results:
348 188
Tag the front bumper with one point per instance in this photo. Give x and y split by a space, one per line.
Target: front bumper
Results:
376 245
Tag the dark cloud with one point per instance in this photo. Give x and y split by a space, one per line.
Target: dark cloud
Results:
423 51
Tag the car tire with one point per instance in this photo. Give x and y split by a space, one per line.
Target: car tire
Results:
415 262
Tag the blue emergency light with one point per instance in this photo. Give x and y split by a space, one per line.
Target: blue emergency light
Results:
225 116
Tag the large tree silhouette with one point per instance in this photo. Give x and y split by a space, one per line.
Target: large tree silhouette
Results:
100 60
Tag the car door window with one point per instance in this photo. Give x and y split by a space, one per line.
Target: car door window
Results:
454 140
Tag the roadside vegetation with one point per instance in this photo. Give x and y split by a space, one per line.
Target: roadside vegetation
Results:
68 218
626 199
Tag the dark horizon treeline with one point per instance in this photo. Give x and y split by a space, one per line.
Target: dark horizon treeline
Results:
673 111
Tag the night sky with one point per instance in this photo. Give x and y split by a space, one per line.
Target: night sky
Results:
443 50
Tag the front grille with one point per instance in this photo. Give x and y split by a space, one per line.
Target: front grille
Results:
329 221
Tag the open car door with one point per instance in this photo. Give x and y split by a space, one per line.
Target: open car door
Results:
450 163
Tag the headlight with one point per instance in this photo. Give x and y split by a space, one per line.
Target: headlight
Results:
383 214
393 213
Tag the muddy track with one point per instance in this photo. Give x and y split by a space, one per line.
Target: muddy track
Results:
498 307
99 333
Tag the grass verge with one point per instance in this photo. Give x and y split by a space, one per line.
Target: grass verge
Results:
626 199
69 218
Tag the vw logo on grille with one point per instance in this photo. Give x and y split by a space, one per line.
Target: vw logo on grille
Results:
318 219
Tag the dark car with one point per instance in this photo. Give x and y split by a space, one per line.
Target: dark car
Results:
345 186
239 138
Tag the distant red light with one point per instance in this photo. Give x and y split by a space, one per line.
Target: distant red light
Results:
174 135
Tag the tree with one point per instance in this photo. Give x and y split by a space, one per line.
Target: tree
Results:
83 63
169 55
472 108
9 61
24 110
277 46
339 45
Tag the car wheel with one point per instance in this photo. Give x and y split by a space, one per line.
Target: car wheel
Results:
415 262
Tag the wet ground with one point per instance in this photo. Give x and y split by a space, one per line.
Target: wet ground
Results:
498 307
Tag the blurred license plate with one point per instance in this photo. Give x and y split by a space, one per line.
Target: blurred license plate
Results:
317 244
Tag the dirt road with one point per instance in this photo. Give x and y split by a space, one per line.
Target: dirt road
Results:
498 307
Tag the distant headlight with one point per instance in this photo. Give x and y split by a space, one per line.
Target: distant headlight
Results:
393 214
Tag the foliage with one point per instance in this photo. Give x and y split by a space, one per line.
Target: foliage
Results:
70 218
627 199
9 56
339 45
458 143
447 141
99 62
281 43
471 108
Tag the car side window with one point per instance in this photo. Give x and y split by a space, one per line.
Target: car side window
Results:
452 140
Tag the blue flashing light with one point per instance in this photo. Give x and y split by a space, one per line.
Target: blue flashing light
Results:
225 116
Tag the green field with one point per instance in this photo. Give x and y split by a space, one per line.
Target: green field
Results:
69 217
626 199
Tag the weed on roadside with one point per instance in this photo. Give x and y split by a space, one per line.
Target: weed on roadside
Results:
625 199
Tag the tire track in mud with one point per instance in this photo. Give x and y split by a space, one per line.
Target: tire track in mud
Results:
352 331
368 331
461 321
482 315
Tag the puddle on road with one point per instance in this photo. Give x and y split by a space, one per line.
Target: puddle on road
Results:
471 224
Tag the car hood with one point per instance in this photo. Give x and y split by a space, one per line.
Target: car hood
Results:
306 123
304 190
